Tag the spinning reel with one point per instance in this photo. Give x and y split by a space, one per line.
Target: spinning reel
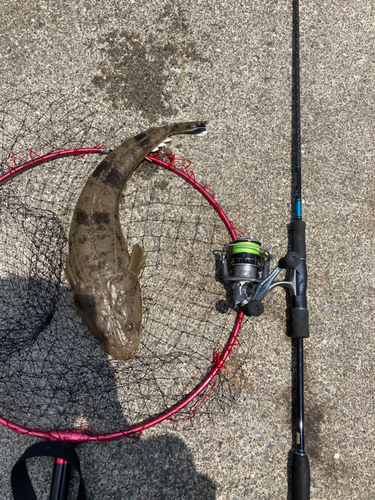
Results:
246 267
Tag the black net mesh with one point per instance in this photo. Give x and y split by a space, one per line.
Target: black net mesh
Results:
53 373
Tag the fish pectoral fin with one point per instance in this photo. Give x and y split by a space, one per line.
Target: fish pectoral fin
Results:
137 260
69 274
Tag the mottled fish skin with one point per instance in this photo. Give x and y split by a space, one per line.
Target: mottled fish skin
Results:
102 274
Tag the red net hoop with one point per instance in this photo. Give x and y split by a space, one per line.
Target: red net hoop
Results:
197 395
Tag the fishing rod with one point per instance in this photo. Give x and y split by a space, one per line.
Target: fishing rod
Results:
246 267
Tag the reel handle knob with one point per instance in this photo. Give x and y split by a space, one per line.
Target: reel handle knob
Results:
290 261
253 308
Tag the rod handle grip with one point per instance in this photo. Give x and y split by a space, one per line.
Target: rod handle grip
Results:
299 328
299 238
301 477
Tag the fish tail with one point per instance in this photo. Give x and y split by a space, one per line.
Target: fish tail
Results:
193 128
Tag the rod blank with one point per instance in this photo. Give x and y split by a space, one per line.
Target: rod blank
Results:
299 313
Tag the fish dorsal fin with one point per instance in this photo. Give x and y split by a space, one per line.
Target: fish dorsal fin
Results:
137 260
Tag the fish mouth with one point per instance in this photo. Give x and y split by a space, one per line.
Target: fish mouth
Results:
121 350
121 340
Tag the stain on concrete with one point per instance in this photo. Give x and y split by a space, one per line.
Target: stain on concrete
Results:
158 189
174 17
135 73
162 184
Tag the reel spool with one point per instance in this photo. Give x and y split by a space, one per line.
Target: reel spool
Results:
248 265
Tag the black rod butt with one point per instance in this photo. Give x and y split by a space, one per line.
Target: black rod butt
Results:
301 477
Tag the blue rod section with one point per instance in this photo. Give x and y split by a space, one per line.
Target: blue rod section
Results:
298 209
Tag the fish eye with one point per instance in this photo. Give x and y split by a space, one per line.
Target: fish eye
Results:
129 327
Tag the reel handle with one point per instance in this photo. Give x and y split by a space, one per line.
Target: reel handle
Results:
290 261
253 308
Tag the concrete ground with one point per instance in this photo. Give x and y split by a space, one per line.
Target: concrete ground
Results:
229 62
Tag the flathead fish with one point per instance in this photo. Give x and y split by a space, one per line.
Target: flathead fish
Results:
99 268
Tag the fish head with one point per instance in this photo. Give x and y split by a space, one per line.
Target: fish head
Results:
113 314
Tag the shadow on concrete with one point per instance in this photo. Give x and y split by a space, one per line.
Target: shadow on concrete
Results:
160 467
